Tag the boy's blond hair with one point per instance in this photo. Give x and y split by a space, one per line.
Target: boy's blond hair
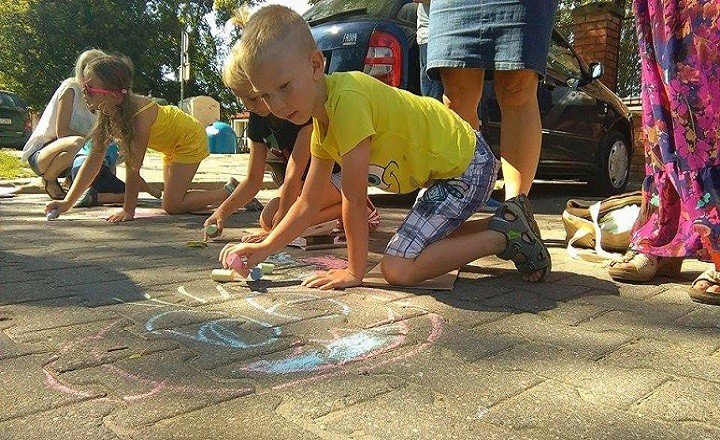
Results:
270 28
233 74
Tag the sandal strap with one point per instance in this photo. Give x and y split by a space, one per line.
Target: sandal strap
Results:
710 275
535 255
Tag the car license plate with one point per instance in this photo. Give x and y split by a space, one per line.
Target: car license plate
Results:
6 121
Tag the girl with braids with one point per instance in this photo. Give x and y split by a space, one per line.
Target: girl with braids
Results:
137 123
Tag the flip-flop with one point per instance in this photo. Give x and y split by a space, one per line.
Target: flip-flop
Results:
711 276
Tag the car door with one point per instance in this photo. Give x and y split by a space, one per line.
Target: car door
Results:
572 119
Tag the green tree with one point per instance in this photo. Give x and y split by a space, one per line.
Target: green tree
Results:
42 38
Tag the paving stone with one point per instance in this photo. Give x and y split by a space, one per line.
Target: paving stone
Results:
411 413
250 417
683 400
602 384
26 388
662 356
481 384
656 326
538 328
557 410
29 291
153 387
303 404
82 420
38 316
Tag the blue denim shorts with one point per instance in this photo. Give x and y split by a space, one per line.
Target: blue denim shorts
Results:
446 204
490 34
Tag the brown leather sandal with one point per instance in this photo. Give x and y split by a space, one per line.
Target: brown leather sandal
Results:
712 277
640 268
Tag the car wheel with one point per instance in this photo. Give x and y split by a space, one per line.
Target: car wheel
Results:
613 168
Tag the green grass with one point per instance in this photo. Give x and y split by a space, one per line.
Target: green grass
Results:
12 168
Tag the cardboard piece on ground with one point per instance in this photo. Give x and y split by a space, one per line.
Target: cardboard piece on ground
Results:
8 192
374 278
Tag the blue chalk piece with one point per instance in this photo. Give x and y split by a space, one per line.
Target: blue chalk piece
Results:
52 215
256 273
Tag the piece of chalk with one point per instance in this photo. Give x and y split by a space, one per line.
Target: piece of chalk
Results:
196 244
212 231
267 268
235 261
52 215
256 273
224 275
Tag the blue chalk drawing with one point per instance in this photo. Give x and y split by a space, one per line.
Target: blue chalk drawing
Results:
216 332
347 349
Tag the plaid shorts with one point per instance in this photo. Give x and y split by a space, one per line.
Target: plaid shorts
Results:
446 204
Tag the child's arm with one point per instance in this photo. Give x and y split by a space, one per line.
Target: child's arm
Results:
64 114
355 164
292 185
247 189
133 163
298 218
87 173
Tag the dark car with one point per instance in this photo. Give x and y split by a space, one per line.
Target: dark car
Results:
587 131
15 124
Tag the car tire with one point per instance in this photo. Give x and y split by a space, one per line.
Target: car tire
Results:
613 165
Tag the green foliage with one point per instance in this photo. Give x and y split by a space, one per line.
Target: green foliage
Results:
42 38
11 167
629 59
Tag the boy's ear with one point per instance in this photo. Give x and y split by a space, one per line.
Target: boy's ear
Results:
317 59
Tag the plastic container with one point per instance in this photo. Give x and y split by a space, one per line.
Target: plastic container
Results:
221 138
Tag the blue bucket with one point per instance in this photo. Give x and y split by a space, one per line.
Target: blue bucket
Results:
221 138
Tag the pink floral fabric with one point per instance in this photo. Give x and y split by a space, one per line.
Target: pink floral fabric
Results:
679 45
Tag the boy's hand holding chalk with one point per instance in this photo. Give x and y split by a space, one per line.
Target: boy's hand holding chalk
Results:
54 209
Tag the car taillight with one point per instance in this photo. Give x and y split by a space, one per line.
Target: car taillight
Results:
384 58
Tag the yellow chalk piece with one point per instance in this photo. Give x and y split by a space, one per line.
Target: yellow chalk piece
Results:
225 275
196 244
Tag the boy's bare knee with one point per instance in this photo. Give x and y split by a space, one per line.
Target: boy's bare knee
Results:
398 271
172 207
268 213
517 88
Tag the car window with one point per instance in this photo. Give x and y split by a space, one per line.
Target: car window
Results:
562 63
6 101
330 8
17 101
408 13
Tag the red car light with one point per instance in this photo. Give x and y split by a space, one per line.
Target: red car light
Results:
384 58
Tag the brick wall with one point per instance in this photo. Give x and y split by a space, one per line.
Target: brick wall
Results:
596 27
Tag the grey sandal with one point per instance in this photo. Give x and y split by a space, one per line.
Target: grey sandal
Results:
524 246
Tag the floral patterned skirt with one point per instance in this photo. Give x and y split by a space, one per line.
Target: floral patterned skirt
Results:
679 42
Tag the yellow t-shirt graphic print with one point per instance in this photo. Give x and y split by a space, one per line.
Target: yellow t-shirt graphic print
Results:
414 140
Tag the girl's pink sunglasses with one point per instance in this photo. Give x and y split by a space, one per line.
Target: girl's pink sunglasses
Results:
87 88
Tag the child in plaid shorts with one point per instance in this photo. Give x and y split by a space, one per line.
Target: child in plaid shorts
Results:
389 138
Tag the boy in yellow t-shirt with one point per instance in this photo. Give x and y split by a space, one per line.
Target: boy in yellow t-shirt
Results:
389 138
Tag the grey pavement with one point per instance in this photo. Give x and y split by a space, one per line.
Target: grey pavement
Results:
117 332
